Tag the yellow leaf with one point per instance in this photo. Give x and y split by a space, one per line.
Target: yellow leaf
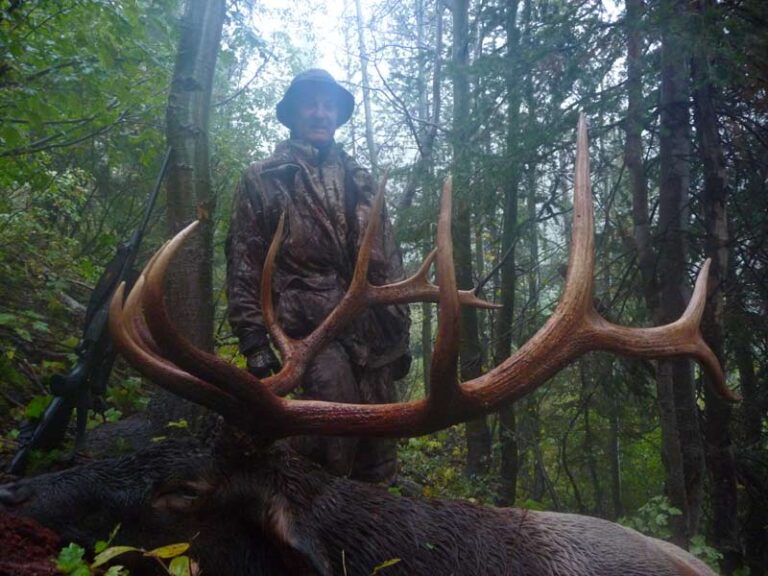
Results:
385 564
170 551
112 552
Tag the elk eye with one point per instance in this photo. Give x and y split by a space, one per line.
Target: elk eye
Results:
182 497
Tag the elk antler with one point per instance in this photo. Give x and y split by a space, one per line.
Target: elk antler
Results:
144 333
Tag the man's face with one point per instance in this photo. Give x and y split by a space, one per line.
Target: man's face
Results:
316 115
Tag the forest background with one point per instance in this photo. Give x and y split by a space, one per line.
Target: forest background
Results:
488 90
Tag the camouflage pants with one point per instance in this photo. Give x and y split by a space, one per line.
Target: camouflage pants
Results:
332 377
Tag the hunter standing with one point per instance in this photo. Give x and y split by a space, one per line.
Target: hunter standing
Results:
326 197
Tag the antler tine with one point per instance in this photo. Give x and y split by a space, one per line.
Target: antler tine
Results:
165 372
680 338
205 366
444 387
581 263
418 288
296 354
283 342
291 350
575 327
360 277
137 328
159 370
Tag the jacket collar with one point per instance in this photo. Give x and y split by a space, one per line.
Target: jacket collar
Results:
305 152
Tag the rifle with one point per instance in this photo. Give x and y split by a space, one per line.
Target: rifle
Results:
95 352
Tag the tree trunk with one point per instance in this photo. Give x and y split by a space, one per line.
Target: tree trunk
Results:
530 419
675 380
647 258
190 293
503 348
587 368
633 154
614 455
720 456
752 412
349 64
477 432
372 153
423 171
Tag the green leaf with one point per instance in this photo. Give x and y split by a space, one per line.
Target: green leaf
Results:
180 566
36 407
180 423
531 504
114 532
70 342
169 551
7 319
70 558
116 570
10 136
101 545
24 334
81 570
112 552
112 415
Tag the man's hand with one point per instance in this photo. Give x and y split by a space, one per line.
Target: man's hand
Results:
401 366
262 362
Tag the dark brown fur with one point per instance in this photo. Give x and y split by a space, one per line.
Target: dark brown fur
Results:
265 510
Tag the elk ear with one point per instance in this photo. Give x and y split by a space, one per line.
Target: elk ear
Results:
301 549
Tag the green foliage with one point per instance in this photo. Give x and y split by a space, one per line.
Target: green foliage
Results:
98 418
530 504
45 460
436 462
699 548
72 559
128 395
97 89
102 545
653 518
35 408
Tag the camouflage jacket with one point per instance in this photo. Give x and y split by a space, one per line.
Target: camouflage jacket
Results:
327 201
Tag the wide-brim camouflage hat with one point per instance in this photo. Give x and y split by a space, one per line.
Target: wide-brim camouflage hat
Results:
308 80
